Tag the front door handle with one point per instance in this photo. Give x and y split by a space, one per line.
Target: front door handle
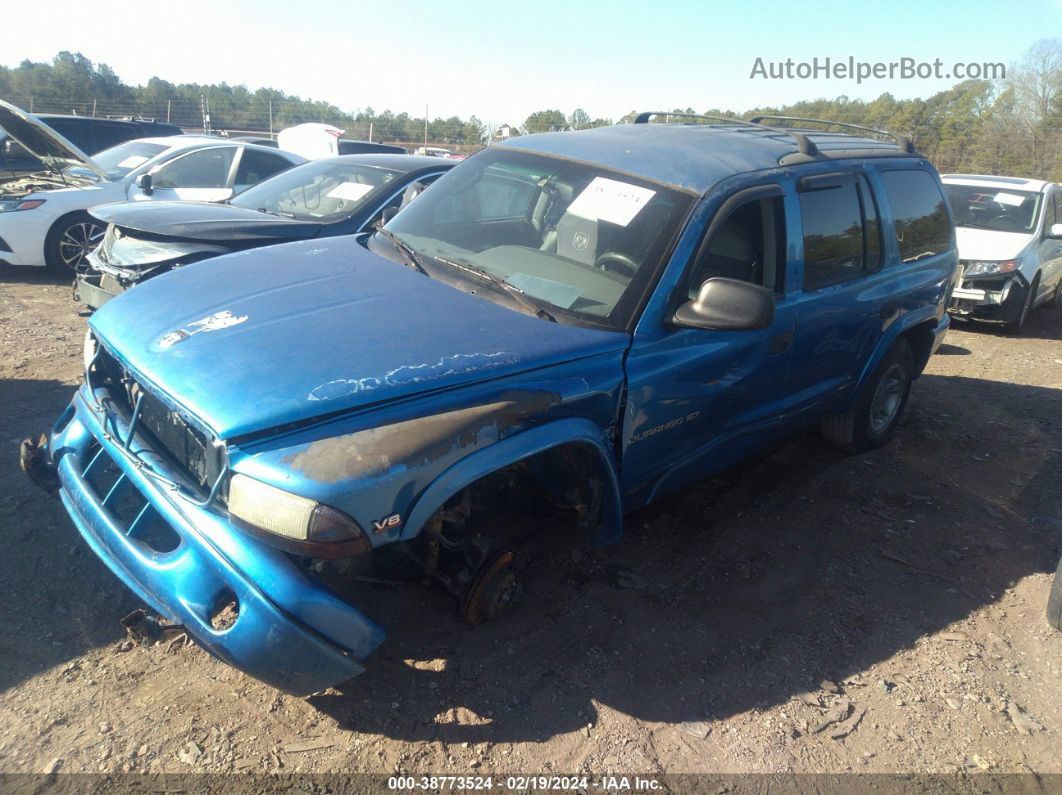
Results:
780 343
889 309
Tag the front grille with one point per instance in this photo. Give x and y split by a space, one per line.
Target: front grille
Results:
184 444
192 451
133 514
994 285
111 284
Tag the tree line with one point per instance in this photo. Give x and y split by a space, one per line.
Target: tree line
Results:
1008 126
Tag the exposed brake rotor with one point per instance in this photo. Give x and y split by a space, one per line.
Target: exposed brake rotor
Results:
491 590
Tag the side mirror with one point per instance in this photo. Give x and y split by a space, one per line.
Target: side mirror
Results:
144 183
727 305
1055 230
387 215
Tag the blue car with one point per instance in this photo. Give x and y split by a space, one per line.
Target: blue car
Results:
566 326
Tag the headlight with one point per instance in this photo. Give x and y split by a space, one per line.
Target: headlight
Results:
88 351
317 530
979 267
14 205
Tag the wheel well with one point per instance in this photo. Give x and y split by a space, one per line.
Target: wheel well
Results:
67 216
565 479
920 339
54 228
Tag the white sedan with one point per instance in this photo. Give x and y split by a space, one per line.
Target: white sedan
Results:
43 218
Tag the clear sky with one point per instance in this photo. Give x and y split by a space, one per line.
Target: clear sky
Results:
502 60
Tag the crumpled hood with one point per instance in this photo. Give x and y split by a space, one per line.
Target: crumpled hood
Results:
42 141
203 221
989 244
261 338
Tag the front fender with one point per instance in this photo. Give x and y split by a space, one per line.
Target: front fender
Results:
518 448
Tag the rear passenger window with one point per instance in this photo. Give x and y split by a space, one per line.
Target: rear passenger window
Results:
835 237
256 166
922 227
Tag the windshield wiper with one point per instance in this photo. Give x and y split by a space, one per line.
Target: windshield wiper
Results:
410 256
276 213
519 295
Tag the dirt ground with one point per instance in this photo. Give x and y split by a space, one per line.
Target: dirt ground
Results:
809 612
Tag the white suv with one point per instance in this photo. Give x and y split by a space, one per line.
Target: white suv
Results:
1009 232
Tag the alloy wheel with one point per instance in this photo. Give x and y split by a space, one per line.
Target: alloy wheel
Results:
888 396
76 241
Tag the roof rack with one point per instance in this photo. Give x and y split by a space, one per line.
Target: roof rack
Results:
643 118
902 141
804 144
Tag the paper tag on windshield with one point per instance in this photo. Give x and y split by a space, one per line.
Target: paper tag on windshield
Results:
1013 199
351 191
610 200
557 293
133 161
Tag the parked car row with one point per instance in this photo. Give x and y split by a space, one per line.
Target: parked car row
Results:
334 196
563 326
44 216
87 133
344 146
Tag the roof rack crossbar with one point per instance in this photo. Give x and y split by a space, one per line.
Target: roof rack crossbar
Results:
643 118
804 144
902 141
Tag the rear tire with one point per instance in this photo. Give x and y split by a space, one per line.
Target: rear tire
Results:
69 240
1054 601
1056 297
876 410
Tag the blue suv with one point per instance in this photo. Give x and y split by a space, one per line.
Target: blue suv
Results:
567 324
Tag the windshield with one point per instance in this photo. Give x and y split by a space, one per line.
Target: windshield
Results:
324 191
569 236
119 160
999 209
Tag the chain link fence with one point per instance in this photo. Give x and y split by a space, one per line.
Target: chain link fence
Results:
268 118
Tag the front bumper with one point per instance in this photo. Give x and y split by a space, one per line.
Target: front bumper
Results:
290 632
95 289
984 296
939 333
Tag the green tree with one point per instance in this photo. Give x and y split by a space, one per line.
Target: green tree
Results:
545 121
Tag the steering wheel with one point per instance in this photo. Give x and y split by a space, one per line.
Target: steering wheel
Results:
617 262
1005 222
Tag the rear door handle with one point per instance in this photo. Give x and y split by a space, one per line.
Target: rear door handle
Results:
888 310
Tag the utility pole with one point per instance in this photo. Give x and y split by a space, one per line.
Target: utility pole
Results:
270 118
204 107
370 132
93 108
425 125
168 101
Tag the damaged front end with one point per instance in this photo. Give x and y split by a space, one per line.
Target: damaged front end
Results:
124 259
147 491
991 290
